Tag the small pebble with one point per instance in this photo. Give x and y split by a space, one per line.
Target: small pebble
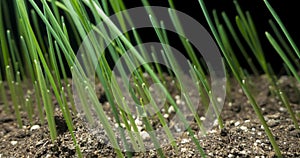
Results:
274 116
177 128
48 156
237 123
138 122
145 135
123 125
244 128
282 109
219 99
291 127
183 149
184 140
35 127
272 123
171 109
215 123
39 143
258 141
259 133
13 142
166 116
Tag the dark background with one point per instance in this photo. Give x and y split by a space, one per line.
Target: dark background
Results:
288 11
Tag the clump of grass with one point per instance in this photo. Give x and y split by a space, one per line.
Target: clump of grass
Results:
39 65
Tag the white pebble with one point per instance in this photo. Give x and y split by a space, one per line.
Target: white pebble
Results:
13 142
35 127
244 128
178 129
166 116
145 135
48 156
171 109
230 155
139 128
258 141
219 99
138 122
216 122
237 123
259 133
281 109
123 125
183 141
183 149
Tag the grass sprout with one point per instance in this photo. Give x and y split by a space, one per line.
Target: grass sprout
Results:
35 67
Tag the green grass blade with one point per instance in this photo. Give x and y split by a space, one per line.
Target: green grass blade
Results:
241 81
46 101
12 88
283 28
283 56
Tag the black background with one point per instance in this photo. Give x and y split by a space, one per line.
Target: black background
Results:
288 11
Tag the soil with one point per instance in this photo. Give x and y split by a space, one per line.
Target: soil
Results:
243 135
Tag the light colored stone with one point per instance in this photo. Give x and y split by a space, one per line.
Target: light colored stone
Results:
166 116
183 149
171 109
247 121
145 135
244 128
237 123
202 118
13 142
184 140
138 122
35 127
